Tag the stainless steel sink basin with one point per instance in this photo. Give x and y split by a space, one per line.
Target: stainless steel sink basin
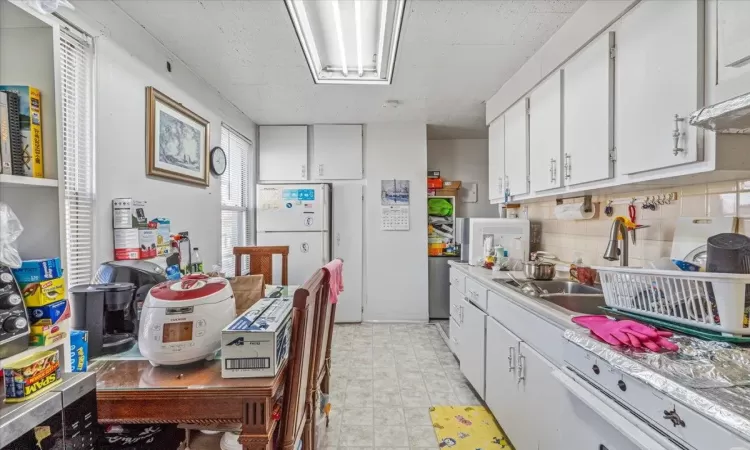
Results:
569 295
567 287
580 303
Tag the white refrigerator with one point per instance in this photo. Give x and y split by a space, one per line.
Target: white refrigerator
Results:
297 215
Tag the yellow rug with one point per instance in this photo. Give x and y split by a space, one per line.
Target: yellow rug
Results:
467 428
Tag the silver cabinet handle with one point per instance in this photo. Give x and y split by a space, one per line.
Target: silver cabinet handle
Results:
462 314
676 134
338 239
511 358
521 367
304 171
551 175
554 170
567 166
320 170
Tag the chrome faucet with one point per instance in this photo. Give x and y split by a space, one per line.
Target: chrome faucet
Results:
613 251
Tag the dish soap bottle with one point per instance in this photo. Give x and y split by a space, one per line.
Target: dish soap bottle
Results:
197 266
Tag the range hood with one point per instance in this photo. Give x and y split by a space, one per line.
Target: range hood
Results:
731 116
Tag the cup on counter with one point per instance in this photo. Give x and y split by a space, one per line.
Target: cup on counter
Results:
584 275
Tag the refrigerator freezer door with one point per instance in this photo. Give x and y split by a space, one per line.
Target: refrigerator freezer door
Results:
308 252
293 207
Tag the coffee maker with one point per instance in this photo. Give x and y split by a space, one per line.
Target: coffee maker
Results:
109 308
108 313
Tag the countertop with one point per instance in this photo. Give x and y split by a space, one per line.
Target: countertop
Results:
728 406
557 315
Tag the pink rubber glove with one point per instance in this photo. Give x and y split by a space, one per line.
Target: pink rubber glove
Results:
627 333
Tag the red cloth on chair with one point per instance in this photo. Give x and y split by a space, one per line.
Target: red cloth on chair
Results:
336 283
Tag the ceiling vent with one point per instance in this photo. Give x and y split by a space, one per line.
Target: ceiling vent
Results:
348 41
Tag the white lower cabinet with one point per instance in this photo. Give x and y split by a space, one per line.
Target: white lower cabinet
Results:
540 396
501 393
471 354
454 338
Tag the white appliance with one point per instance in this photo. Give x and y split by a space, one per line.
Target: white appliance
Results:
181 320
513 234
297 215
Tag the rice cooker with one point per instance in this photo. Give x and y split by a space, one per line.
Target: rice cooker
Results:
181 320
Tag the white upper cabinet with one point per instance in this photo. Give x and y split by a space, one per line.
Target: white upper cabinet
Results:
545 138
336 152
659 71
734 39
282 153
517 147
497 159
588 113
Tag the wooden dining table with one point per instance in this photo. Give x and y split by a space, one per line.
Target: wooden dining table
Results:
129 390
135 392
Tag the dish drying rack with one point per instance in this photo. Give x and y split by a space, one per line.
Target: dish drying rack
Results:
712 301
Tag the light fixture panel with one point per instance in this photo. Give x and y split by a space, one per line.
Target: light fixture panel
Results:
348 41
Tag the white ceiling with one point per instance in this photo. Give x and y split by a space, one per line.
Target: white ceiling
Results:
453 56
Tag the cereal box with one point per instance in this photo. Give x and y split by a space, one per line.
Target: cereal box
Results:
31 376
30 111
43 292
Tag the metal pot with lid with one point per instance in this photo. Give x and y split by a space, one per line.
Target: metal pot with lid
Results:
537 269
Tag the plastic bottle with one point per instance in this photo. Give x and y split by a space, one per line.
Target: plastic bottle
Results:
197 266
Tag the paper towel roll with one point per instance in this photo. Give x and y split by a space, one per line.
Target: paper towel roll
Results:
573 211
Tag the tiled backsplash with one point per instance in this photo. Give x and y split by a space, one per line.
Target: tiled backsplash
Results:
565 238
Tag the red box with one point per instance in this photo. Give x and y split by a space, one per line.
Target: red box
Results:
434 183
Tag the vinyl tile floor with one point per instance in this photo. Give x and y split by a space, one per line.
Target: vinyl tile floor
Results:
385 378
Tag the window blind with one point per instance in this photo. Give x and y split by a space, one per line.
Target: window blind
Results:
76 69
234 199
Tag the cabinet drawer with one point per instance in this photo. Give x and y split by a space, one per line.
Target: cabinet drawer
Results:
456 302
476 294
530 328
453 337
458 280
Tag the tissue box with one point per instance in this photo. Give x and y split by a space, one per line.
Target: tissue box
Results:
50 314
256 343
79 350
43 292
35 270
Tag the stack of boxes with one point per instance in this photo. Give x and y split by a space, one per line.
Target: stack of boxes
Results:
437 187
43 289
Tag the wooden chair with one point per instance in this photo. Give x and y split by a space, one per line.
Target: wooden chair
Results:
298 391
261 261
322 351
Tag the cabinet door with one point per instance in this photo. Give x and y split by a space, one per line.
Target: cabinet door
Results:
454 338
541 396
588 113
658 76
500 378
497 159
517 147
545 138
472 346
337 152
456 301
734 39
282 153
347 244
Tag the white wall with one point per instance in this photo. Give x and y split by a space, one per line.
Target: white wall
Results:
465 160
396 261
128 60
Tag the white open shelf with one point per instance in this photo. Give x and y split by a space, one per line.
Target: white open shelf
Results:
18 180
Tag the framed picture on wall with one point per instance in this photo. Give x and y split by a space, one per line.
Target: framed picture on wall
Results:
176 140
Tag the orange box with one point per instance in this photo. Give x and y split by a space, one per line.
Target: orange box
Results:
434 183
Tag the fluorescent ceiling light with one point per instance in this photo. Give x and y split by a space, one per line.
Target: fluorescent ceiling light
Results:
336 33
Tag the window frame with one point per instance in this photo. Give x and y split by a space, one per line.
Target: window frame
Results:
249 183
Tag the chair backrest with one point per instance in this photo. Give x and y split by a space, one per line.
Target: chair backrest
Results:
261 261
323 328
298 387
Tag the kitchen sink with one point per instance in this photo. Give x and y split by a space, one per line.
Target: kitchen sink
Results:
569 295
580 303
567 287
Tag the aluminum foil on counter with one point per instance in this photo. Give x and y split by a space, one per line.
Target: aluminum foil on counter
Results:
712 378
